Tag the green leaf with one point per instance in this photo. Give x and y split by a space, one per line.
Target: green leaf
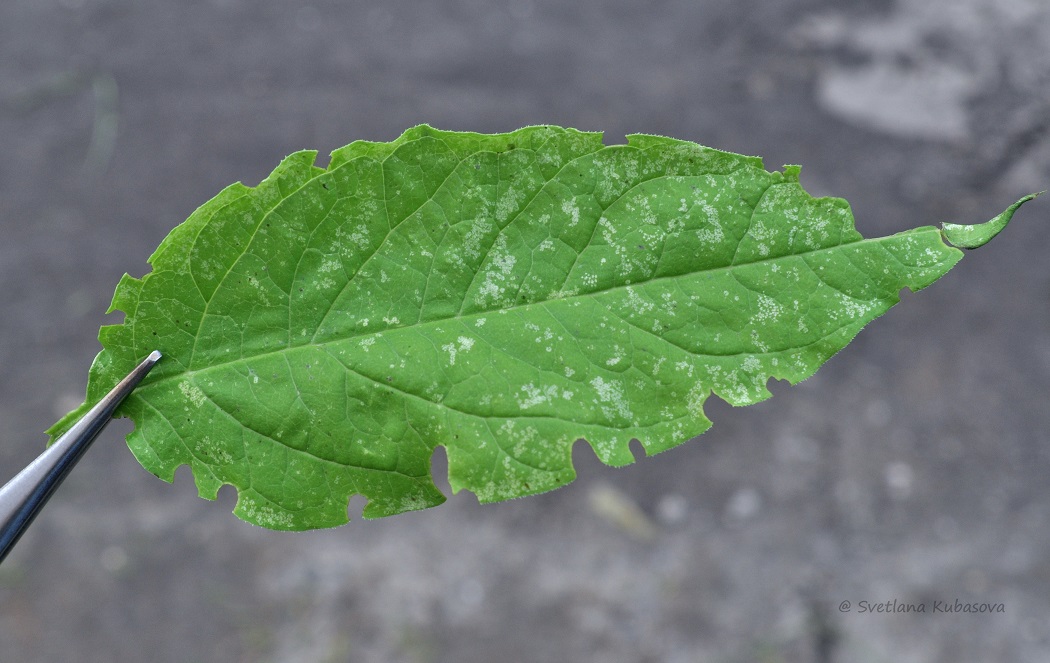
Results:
498 295
976 236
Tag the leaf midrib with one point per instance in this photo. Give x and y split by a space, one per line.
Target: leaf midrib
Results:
514 307
525 306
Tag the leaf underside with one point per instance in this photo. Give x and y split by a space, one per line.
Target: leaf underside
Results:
498 295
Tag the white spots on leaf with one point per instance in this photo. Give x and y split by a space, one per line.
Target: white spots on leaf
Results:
367 343
546 335
853 308
329 265
212 452
569 372
733 390
357 237
480 322
508 202
471 245
669 306
768 309
608 232
536 395
646 209
711 233
412 503
434 392
263 514
465 344
659 363
605 447
562 294
757 341
573 210
694 401
637 304
611 398
498 274
450 348
926 258
193 393
674 227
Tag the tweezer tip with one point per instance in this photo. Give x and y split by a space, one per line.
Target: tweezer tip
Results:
154 357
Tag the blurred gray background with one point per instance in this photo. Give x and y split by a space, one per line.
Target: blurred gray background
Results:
914 467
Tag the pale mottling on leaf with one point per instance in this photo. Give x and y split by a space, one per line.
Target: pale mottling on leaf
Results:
500 296
192 393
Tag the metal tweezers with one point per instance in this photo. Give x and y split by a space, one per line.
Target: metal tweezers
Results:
23 496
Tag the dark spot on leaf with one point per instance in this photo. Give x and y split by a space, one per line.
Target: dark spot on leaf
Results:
511 146
324 186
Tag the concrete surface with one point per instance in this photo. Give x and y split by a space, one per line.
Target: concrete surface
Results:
915 467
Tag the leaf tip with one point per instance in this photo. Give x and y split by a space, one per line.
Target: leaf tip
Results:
973 236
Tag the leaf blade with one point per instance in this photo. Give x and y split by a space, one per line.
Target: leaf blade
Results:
499 295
